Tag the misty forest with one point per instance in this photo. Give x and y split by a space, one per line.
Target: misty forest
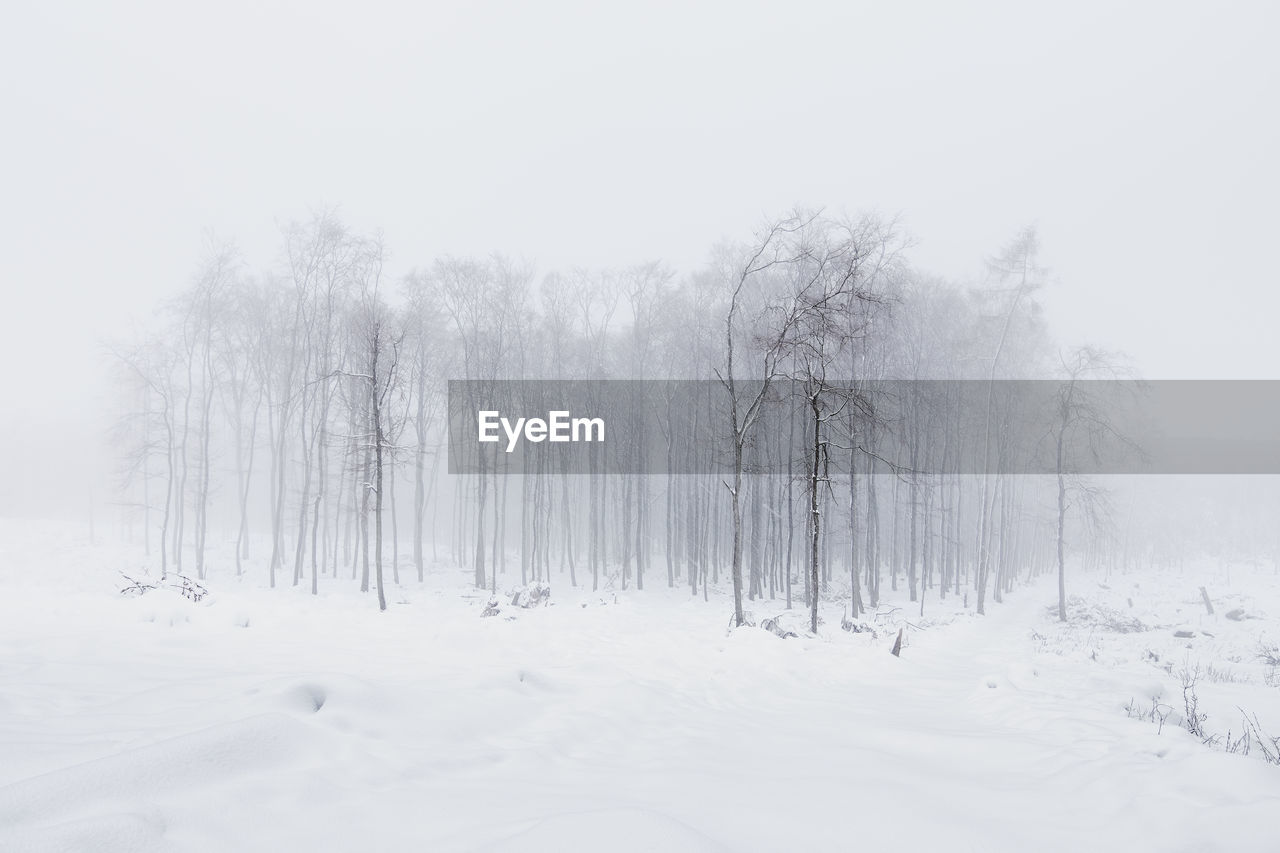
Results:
298 415
615 427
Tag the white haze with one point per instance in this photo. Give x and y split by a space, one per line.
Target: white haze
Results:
1139 137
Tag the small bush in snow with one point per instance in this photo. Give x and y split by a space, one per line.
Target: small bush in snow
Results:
181 584
847 624
1223 675
772 626
1268 745
1093 613
533 595
135 587
1193 720
1157 713
1268 653
1252 739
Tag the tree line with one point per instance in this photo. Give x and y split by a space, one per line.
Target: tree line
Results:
302 410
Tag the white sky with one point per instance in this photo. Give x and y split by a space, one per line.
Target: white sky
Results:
1141 138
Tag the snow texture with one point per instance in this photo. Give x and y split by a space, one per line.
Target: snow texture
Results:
272 720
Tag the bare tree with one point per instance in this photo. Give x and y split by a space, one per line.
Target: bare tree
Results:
1017 262
1083 418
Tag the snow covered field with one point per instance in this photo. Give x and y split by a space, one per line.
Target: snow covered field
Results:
272 720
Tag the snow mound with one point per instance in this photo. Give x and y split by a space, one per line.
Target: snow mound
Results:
164 607
307 697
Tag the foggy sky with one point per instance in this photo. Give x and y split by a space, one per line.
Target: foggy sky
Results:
1141 139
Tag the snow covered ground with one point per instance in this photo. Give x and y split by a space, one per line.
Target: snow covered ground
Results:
272 720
